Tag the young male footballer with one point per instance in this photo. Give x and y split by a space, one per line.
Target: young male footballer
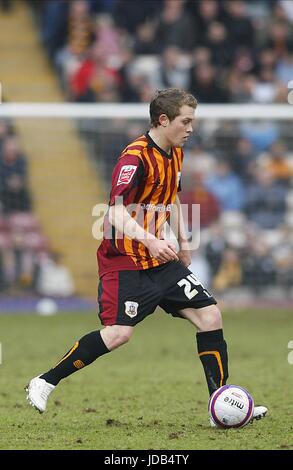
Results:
140 270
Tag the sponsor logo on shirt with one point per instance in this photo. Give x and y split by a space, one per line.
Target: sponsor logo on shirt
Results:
126 174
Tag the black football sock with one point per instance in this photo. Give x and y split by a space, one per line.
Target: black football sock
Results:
84 352
212 351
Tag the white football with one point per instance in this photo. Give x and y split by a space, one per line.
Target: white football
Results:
231 406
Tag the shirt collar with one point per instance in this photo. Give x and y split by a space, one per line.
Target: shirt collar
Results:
151 143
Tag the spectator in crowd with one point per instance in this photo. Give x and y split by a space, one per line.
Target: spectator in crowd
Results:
258 265
4 131
215 248
207 86
130 82
80 33
79 39
266 59
226 186
240 86
173 70
53 279
95 80
239 25
197 160
276 163
229 273
201 56
54 25
284 69
225 139
209 205
200 263
261 134
129 14
176 27
265 200
204 12
108 38
14 192
280 39
267 88
7 260
219 44
145 42
282 254
243 160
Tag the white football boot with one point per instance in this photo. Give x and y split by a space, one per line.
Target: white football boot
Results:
38 393
259 412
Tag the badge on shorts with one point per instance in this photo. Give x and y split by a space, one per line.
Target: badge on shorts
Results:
131 308
126 174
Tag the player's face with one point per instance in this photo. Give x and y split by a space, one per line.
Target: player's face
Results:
179 130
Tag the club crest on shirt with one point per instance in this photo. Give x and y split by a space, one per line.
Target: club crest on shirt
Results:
131 308
126 174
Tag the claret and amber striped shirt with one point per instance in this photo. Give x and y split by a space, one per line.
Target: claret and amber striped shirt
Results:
148 178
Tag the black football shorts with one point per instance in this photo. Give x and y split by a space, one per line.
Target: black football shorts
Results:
127 297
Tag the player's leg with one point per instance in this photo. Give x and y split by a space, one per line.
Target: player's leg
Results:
186 297
117 330
212 349
125 299
211 346
84 352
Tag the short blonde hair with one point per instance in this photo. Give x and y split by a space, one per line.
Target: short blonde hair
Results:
169 102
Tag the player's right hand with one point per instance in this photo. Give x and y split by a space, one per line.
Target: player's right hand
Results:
162 250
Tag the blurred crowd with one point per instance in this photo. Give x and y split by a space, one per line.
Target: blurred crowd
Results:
245 190
223 51
27 262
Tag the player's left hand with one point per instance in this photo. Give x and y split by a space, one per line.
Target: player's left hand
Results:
184 257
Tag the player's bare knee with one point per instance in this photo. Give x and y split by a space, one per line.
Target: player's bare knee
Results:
116 335
124 334
212 319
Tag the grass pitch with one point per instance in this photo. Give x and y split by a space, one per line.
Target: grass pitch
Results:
149 394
